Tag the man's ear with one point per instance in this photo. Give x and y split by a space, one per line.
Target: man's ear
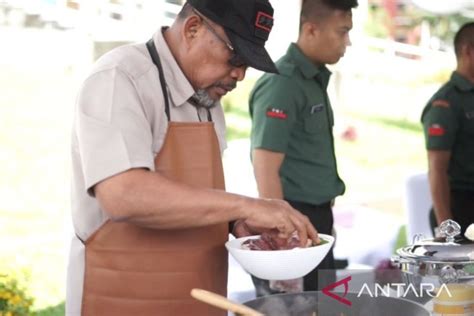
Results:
310 29
191 28
469 50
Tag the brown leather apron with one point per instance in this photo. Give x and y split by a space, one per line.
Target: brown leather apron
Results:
132 270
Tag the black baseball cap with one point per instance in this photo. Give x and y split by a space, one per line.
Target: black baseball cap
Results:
247 24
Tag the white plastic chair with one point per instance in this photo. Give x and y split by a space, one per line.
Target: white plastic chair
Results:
418 205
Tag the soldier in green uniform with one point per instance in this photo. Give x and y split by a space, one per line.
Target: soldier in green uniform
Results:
448 123
292 141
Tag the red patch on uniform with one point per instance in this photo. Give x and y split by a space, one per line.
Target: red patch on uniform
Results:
441 103
276 113
436 130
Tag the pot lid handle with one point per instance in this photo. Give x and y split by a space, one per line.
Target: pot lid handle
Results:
449 229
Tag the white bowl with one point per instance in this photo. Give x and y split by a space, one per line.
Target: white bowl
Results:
279 264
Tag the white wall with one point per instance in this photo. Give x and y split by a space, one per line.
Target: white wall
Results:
285 28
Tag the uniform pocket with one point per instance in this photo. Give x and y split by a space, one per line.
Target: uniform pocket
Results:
314 123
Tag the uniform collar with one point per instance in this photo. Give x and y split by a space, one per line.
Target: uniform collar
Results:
307 67
180 89
461 83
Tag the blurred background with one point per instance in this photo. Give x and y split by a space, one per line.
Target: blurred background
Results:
401 53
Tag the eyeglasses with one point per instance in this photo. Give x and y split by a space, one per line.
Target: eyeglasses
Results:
235 60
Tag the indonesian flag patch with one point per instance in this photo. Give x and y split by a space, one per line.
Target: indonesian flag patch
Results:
277 113
436 130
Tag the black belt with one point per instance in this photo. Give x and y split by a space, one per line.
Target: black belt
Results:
322 206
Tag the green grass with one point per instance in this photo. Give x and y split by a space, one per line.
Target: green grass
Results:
57 310
402 124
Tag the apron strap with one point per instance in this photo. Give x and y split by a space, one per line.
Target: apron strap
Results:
156 60
209 116
196 105
208 112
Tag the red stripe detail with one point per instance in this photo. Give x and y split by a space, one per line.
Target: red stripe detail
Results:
436 131
441 103
282 116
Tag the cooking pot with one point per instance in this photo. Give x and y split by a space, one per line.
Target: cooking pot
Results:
447 259
319 304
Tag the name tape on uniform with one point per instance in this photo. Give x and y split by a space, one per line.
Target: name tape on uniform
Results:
277 113
436 130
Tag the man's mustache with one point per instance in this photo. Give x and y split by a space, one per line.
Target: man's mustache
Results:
228 86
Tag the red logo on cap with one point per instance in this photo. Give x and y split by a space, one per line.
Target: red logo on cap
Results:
264 21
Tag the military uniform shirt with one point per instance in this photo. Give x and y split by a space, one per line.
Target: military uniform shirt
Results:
448 124
292 114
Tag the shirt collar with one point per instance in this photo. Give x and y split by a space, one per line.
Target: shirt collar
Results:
180 89
461 83
307 67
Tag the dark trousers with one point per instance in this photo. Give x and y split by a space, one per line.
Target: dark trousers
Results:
462 206
322 218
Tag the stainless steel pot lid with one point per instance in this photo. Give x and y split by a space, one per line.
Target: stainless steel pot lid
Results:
452 247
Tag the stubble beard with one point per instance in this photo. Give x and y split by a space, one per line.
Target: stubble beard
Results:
202 99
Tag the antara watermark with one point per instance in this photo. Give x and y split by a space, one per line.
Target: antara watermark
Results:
402 290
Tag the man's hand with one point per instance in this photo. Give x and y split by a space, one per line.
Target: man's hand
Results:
241 229
269 214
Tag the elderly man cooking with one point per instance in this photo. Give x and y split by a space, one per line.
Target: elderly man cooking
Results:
148 202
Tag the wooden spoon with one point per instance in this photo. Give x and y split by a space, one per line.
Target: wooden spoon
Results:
223 303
